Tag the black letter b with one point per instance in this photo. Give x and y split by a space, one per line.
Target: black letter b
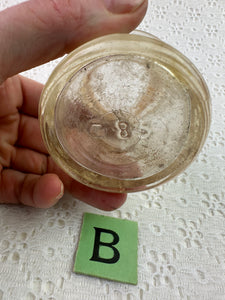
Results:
98 243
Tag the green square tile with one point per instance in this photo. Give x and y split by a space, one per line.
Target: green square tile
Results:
108 248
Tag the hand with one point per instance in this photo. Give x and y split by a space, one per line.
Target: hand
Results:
33 33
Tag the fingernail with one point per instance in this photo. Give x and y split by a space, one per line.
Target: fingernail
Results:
122 6
61 193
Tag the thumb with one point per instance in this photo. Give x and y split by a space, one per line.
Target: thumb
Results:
37 31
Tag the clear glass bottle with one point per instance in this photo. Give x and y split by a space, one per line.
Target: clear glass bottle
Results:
124 113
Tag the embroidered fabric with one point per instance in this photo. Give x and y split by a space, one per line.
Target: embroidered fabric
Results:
181 223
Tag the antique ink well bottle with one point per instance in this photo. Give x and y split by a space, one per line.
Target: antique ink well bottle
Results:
124 113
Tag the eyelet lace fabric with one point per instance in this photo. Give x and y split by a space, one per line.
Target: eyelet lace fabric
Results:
181 252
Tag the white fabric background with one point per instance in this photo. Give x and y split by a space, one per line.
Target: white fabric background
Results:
181 223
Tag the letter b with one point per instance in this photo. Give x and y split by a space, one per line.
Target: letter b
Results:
98 243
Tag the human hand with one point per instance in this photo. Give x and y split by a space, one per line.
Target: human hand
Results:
33 33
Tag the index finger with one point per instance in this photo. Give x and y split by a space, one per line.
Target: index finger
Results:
31 91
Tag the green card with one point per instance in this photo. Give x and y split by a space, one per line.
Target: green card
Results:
108 248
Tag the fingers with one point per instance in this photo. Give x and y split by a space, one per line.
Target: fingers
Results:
45 191
35 32
99 199
28 161
31 91
31 188
19 93
30 134
11 96
28 189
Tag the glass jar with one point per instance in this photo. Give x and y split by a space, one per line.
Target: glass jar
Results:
124 113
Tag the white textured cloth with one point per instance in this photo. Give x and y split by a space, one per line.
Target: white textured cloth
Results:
181 223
